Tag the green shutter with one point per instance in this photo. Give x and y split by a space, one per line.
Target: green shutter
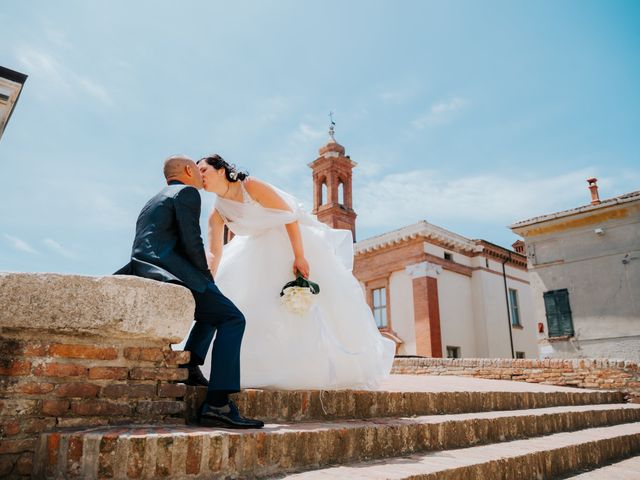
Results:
562 301
558 311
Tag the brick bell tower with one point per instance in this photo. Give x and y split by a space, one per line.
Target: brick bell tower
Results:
332 191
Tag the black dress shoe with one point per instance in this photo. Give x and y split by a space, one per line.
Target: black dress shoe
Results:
225 417
196 378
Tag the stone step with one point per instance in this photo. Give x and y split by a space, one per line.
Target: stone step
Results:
628 469
406 395
541 458
196 452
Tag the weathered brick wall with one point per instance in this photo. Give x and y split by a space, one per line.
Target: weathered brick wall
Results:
583 373
81 351
59 382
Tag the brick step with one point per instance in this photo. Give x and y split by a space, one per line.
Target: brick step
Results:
304 406
543 458
195 452
625 470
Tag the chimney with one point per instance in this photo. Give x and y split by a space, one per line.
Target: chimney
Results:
518 246
593 186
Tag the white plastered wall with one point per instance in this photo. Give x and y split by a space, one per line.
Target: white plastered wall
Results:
402 313
456 313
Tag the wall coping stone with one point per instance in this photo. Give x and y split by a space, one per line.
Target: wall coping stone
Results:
109 306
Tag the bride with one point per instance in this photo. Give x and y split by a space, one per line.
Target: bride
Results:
336 344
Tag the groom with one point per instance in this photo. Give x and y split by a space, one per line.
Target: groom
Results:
168 247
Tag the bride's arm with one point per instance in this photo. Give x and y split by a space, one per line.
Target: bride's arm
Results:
216 241
267 197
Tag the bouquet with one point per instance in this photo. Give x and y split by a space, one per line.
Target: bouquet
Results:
298 296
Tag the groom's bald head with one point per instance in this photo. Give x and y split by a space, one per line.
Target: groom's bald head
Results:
183 169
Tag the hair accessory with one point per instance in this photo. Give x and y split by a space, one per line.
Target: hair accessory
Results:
233 175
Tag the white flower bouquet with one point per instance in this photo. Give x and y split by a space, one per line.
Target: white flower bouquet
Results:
298 296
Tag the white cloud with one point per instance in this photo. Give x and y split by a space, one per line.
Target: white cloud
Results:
444 107
49 72
39 63
500 199
395 97
306 133
402 92
95 90
19 244
58 248
440 113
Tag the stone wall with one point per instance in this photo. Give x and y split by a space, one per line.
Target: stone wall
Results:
86 351
584 373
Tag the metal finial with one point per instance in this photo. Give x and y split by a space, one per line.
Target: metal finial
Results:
332 129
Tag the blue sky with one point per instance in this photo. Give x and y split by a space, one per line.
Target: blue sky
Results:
471 115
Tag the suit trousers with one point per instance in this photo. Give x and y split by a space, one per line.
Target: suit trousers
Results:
216 315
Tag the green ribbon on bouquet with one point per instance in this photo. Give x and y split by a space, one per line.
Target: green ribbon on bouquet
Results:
300 281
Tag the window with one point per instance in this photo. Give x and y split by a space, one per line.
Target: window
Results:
520 355
341 193
558 311
448 256
323 193
380 306
514 308
453 352
486 262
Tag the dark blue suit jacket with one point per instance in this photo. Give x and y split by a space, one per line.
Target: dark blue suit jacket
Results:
168 244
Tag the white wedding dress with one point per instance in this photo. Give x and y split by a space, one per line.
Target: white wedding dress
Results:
336 344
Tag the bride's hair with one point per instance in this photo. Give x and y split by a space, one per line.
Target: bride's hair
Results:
217 162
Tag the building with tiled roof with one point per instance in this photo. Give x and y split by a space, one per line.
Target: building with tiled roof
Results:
585 277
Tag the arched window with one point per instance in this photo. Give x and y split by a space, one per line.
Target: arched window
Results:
341 193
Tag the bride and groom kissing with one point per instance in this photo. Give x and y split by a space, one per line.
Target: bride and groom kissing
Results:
243 336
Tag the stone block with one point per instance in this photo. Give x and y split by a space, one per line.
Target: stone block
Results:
11 367
77 389
17 445
83 351
112 306
24 465
75 422
108 373
10 428
16 407
99 408
55 369
143 373
172 390
55 408
127 390
37 425
7 463
160 407
144 354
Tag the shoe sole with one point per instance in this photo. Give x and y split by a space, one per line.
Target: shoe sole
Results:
206 422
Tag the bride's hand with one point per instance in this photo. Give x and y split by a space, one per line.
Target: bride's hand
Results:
301 265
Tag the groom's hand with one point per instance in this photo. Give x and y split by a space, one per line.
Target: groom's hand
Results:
301 265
